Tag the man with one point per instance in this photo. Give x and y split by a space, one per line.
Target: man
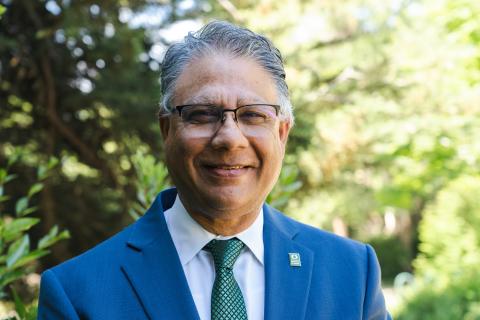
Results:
211 248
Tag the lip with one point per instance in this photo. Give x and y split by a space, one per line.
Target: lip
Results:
227 170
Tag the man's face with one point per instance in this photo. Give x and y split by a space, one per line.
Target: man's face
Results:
227 173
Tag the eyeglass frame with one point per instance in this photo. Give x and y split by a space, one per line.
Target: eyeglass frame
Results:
222 115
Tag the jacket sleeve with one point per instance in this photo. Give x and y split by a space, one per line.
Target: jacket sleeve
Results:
54 303
374 303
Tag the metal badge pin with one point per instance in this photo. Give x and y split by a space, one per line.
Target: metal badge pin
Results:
295 259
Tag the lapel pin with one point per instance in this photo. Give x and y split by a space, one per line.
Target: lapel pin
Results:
295 259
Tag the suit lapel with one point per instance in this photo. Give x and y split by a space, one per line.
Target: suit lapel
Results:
153 268
286 286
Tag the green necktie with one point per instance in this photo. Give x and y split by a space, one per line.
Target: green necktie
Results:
227 299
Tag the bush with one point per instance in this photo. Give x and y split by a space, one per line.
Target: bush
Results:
393 255
450 231
460 299
152 177
447 268
17 256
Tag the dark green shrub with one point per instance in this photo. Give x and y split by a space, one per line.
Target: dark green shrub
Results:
393 255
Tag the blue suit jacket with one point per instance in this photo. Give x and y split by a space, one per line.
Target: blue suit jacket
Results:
137 275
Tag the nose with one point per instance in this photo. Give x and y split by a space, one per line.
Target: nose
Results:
224 115
228 135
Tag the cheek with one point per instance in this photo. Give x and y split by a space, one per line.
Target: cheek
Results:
270 145
271 154
182 149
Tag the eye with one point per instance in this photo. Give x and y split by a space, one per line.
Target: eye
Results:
200 114
255 114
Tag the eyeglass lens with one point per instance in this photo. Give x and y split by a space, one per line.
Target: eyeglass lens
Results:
249 117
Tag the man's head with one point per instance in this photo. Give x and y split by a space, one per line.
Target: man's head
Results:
223 37
225 122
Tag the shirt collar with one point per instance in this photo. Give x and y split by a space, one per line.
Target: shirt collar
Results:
189 237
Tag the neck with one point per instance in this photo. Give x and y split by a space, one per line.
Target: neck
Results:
224 226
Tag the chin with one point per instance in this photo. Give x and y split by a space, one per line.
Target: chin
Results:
228 203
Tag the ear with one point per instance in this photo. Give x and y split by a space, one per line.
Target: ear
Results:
283 131
164 123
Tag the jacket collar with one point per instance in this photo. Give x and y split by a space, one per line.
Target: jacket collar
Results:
153 268
287 285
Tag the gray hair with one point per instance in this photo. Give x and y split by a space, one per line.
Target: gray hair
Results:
224 36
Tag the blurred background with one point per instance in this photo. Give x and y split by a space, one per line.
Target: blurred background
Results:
385 149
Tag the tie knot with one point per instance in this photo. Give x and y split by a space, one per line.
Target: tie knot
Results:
225 252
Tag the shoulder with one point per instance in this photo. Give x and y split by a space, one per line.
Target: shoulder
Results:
322 241
80 287
101 257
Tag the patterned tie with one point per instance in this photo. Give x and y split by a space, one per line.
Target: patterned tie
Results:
227 299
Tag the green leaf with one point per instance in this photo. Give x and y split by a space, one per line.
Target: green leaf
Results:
17 250
52 162
14 228
14 157
29 210
45 241
42 172
36 188
3 175
34 255
21 205
19 305
32 313
52 238
10 276
2 10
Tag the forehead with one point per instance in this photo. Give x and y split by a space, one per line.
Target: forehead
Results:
221 78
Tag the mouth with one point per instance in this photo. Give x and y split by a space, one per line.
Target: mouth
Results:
227 170
225 167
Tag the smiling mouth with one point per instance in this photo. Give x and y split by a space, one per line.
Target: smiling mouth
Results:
227 170
228 167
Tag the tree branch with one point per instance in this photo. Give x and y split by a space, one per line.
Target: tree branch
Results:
50 103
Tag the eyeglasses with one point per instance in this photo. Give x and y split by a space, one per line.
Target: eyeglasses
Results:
210 117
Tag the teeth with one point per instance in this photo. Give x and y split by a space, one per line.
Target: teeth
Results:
232 167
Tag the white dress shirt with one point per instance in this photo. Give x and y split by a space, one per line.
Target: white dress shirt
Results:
189 238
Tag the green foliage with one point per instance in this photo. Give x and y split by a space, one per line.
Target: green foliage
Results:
17 255
78 83
460 299
447 269
151 178
450 231
23 311
286 187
